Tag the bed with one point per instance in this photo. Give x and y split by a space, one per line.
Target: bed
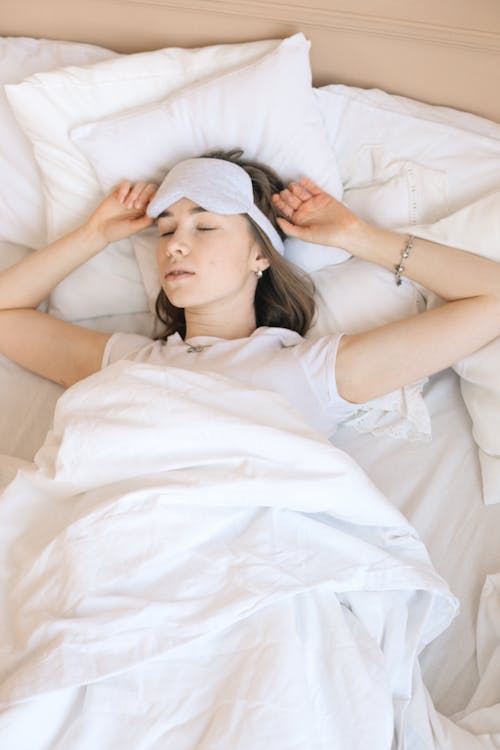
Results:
264 588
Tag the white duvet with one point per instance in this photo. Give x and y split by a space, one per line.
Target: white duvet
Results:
187 565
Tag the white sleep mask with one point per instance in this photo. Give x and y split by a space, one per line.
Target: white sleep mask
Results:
216 185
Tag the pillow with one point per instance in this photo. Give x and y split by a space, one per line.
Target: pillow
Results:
22 218
462 146
476 228
47 105
267 108
389 191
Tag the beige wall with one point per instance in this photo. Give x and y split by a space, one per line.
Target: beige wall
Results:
442 52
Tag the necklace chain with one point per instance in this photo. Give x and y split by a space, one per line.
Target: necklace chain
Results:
197 348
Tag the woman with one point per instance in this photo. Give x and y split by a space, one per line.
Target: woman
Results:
232 304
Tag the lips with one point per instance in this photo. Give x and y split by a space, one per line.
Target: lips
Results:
178 273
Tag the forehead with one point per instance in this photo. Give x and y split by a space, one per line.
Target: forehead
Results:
182 206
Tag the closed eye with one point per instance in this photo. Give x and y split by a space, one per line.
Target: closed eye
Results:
201 229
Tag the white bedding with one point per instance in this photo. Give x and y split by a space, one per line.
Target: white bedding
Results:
288 643
210 504
437 486
175 521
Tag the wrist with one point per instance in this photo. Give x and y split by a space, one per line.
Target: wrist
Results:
370 242
91 237
348 234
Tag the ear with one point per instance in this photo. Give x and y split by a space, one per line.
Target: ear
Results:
259 257
263 262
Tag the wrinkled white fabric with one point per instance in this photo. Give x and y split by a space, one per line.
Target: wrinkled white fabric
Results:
400 414
212 573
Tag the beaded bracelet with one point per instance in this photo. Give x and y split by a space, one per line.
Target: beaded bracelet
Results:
398 270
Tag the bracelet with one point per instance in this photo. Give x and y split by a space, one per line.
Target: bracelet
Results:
398 270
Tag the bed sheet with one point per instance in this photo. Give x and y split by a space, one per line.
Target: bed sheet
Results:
437 487
448 514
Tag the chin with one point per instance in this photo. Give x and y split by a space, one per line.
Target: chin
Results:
180 298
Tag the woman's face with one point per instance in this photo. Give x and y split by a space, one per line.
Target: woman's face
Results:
205 258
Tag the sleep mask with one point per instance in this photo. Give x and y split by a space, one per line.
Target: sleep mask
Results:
216 185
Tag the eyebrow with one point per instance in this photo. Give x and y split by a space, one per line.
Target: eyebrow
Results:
195 210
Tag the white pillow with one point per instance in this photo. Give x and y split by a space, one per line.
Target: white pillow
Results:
22 218
389 191
464 147
476 228
267 108
48 105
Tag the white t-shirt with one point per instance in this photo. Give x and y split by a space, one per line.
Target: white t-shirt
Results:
275 359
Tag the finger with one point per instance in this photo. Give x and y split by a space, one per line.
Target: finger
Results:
311 186
145 195
300 191
279 203
149 191
135 193
292 230
290 199
282 206
123 189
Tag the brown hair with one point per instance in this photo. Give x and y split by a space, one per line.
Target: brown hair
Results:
284 295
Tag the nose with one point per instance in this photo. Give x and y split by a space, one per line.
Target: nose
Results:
174 244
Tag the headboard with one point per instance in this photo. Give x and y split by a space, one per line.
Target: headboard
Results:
445 53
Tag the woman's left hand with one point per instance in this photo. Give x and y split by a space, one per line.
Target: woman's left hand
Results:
123 212
314 215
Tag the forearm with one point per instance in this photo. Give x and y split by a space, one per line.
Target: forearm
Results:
28 283
451 273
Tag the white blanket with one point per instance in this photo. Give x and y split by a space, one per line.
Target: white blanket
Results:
188 565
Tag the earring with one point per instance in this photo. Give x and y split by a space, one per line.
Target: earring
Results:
258 274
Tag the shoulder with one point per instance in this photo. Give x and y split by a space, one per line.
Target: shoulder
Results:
132 346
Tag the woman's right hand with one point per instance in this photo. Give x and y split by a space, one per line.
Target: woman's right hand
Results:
123 212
